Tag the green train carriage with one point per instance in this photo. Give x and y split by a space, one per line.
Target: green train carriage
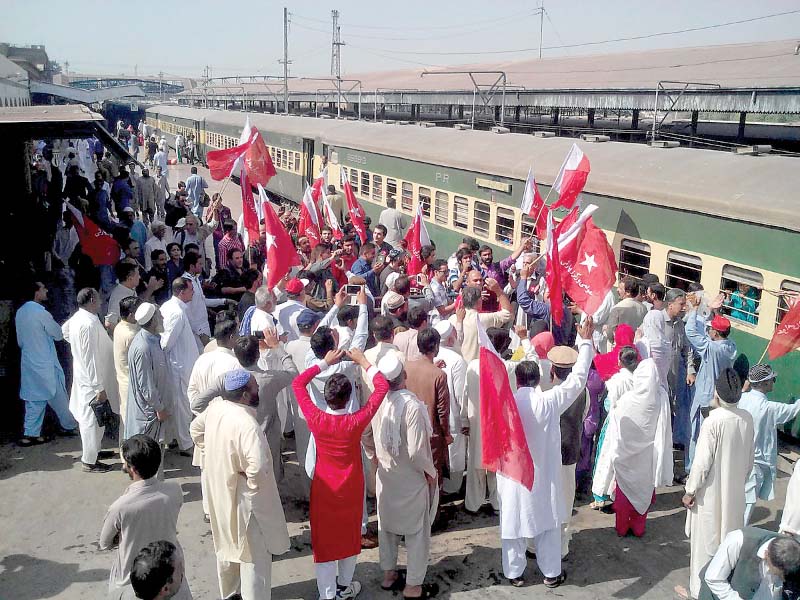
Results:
684 214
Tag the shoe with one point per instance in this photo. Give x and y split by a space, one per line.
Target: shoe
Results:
680 479
554 582
351 591
97 467
517 581
26 441
105 454
369 541
68 432
398 584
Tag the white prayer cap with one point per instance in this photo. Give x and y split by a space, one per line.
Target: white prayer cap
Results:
445 328
144 313
390 366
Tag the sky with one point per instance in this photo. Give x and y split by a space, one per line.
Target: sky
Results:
246 38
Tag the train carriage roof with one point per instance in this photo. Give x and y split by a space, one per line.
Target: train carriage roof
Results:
757 189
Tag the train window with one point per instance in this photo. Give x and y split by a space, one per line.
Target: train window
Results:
480 218
788 288
441 207
407 199
504 229
425 201
391 189
285 159
365 184
278 162
683 269
377 188
634 258
742 289
460 212
353 180
528 231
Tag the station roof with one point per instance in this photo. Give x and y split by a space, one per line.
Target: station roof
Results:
59 121
619 81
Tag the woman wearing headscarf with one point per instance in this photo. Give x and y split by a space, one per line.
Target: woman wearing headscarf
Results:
608 364
635 429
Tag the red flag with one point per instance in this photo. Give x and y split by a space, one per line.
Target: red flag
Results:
588 265
250 217
309 222
415 239
319 186
356 212
281 256
504 446
257 161
571 178
533 205
95 243
787 335
221 162
554 273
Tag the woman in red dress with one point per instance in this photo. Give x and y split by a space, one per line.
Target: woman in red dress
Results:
337 488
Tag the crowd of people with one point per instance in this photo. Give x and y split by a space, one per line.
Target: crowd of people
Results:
374 376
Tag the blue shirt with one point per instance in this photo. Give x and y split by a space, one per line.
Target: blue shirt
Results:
194 187
362 268
716 356
36 334
767 416
122 193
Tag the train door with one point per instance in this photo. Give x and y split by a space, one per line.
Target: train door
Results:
308 153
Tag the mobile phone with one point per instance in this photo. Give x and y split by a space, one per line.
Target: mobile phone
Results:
419 277
352 289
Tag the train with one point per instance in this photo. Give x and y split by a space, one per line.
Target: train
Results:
728 221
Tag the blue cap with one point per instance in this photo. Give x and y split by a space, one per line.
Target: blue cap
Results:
236 379
307 319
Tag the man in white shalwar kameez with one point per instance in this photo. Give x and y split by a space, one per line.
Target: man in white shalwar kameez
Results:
479 480
537 513
406 480
455 367
790 520
247 520
180 344
722 464
93 375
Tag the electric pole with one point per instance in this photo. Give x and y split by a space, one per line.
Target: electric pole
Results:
541 27
336 60
286 62
161 85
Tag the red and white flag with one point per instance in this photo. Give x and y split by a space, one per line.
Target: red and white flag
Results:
787 335
247 132
251 155
553 277
330 217
95 243
309 222
281 256
250 212
588 264
504 447
354 208
416 237
571 178
533 205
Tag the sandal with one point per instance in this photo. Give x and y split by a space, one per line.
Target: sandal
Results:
398 584
27 441
429 590
554 582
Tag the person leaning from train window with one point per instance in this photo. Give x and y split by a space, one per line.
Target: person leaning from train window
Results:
743 302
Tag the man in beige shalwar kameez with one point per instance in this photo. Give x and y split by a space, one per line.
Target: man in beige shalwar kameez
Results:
247 519
406 480
715 488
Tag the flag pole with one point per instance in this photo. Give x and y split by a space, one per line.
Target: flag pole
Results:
544 202
764 353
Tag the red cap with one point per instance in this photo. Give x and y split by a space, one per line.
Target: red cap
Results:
295 286
720 323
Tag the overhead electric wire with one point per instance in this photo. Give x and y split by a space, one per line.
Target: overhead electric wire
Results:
594 43
450 27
